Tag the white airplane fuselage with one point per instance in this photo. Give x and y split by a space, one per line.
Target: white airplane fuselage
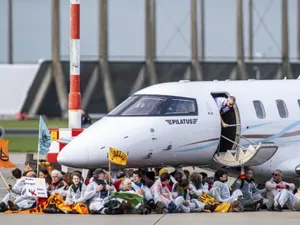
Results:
152 128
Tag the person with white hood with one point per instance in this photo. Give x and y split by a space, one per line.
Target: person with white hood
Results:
220 190
76 191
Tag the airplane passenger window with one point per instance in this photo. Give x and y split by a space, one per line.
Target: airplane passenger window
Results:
259 109
181 106
299 102
146 105
282 109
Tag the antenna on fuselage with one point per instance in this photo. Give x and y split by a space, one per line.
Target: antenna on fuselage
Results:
298 77
284 78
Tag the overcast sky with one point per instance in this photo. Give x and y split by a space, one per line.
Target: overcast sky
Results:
32 29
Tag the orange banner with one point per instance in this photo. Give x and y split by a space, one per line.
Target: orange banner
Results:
4 155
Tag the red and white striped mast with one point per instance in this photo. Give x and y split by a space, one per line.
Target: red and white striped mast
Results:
74 95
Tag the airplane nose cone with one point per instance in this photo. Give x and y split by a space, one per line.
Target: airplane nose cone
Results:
73 155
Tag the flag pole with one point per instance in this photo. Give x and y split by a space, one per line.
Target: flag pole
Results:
5 182
37 164
109 172
38 155
109 169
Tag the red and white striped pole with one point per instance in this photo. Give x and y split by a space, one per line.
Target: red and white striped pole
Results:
74 95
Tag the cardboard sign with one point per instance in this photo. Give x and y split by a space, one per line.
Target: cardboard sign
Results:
35 187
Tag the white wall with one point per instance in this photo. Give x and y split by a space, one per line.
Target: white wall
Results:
15 81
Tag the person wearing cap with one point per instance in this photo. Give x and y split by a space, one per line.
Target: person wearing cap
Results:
97 193
172 179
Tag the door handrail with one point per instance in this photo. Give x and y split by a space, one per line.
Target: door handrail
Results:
245 138
233 142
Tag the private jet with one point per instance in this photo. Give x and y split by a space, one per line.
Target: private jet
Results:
178 124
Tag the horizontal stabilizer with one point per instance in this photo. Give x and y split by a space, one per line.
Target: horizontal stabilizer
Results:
65 140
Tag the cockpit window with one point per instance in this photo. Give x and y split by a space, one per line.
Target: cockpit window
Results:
181 106
123 105
156 105
146 105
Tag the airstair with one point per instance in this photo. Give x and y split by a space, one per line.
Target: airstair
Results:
253 155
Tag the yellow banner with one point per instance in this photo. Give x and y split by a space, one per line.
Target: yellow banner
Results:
117 156
4 155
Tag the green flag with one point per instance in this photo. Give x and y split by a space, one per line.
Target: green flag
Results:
133 199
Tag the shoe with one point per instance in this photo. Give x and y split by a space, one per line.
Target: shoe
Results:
165 211
94 212
172 207
159 208
51 208
3 207
151 203
271 209
108 211
12 206
279 208
211 208
140 210
259 204
146 211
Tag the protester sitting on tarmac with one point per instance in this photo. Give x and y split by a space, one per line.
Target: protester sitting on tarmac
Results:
181 192
252 198
206 185
14 191
220 190
149 178
162 194
186 174
172 179
127 186
120 178
28 167
89 176
138 185
43 173
274 187
57 184
196 184
76 190
288 198
23 201
178 176
97 193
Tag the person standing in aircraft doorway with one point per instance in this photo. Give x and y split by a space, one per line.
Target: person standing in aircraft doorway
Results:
224 105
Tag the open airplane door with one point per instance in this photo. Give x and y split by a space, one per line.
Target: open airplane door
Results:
252 156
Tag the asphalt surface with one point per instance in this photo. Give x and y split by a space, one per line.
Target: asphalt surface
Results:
19 132
249 218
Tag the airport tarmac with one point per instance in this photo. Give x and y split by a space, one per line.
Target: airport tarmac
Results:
248 218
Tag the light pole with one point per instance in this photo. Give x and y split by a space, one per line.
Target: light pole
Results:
257 71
